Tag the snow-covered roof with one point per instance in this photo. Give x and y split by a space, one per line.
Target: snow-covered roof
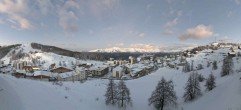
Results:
232 53
62 67
21 71
118 68
44 73
67 74
98 68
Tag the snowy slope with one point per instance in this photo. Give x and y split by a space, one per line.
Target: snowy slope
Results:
226 96
47 57
27 94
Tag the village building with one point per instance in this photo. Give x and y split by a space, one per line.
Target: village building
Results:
61 70
41 75
232 52
19 73
118 72
132 60
97 71
81 73
68 76
138 70
120 62
19 65
85 65
31 69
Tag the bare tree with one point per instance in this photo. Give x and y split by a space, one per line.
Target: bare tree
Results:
163 95
111 93
123 95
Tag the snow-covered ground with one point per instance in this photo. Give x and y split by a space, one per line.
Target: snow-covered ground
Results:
26 94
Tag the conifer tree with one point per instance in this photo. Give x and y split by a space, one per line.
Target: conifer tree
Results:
192 89
210 83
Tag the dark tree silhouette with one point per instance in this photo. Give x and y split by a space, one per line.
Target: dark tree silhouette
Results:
163 95
215 66
192 89
227 67
210 83
186 67
111 93
123 95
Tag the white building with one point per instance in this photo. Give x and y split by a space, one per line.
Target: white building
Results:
81 73
118 72
19 65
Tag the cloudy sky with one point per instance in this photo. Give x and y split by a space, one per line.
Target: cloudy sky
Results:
91 24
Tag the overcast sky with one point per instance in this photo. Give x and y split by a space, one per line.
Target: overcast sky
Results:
91 24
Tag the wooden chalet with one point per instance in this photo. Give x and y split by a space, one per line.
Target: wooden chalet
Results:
61 70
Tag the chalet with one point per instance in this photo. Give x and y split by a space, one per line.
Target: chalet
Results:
118 72
30 69
231 54
61 70
85 65
97 71
41 75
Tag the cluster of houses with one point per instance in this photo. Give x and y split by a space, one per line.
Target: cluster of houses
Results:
136 67
119 69
60 73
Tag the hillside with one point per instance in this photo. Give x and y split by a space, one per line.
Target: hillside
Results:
4 50
25 52
39 95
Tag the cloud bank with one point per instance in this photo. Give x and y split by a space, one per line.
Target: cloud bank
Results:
198 32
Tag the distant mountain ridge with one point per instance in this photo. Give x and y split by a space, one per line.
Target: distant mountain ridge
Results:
118 49
141 49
